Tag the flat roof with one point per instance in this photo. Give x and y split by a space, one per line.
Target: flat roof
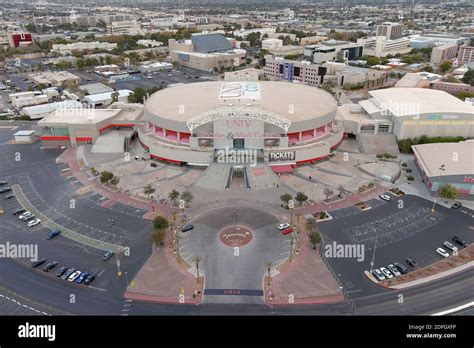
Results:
24 133
295 101
107 95
96 88
424 100
78 116
432 156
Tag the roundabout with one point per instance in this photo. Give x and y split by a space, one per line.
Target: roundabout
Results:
235 236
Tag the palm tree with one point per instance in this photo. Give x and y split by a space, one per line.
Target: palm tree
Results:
327 192
148 190
311 224
291 237
173 195
268 265
197 260
286 198
177 239
187 197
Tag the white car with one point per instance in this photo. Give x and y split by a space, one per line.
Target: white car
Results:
33 222
394 270
442 252
385 197
25 215
377 274
73 276
386 272
450 246
282 227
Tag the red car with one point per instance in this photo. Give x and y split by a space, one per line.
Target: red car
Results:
287 231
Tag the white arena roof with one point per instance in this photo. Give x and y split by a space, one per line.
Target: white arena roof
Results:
402 101
296 102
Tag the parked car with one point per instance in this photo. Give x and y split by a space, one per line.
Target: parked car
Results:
287 231
25 215
73 276
11 195
412 263
386 273
81 278
450 246
53 234
187 228
50 266
107 255
401 268
394 270
459 241
283 226
37 263
68 273
5 189
153 164
19 211
442 252
29 217
90 278
385 197
3 182
33 222
61 270
456 205
378 274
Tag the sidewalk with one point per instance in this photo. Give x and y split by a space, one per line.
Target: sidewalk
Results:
347 202
306 280
163 279
69 157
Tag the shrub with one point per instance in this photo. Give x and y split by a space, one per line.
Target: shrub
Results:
408 170
410 178
404 164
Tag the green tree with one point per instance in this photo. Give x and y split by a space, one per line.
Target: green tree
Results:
115 96
173 195
158 237
301 197
31 28
80 63
311 224
445 66
187 197
448 191
114 181
149 190
314 238
286 198
160 223
468 77
106 176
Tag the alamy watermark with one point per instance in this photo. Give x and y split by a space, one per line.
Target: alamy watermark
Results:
19 251
237 156
345 251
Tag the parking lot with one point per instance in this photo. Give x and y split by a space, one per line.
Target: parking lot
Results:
400 233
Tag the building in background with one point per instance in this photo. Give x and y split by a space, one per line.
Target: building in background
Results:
466 54
105 99
269 44
124 28
391 31
442 53
65 49
380 46
437 168
206 52
54 79
333 50
19 39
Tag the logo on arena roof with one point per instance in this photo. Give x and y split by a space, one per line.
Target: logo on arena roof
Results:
240 90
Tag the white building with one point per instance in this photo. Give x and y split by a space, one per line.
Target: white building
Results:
37 112
105 99
83 46
442 53
157 66
149 43
25 136
124 27
380 46
23 99
270 44
391 31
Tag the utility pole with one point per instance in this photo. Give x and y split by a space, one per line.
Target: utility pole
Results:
441 170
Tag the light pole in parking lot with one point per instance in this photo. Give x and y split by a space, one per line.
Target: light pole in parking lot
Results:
234 215
441 170
375 247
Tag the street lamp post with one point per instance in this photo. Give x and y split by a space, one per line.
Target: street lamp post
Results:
234 215
441 170
375 247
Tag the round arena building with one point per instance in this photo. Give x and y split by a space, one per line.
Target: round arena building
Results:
283 123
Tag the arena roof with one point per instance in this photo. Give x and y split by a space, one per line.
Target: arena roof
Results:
296 102
423 100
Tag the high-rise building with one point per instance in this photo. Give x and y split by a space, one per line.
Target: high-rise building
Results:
445 52
391 31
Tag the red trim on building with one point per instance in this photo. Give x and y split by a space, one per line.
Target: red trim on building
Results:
54 137
165 159
146 147
336 146
83 139
116 125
